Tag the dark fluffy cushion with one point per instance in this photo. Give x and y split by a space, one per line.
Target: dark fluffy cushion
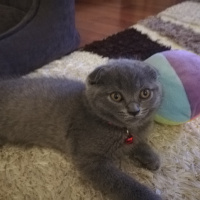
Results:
46 32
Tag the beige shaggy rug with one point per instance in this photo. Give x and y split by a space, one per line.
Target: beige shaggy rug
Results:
43 174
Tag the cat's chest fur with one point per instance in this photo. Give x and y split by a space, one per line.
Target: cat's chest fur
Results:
92 135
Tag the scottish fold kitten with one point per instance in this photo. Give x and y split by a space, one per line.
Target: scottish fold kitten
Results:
96 122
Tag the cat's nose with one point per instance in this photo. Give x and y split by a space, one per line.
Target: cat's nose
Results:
134 113
133 108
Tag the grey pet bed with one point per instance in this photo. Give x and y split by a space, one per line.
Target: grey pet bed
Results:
35 32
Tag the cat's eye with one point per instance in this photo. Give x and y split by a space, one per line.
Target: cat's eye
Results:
145 94
116 96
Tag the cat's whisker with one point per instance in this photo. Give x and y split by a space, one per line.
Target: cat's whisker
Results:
143 112
123 114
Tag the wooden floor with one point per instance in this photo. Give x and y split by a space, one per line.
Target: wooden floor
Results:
97 19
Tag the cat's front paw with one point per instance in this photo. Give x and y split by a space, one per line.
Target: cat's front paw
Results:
150 161
147 157
144 194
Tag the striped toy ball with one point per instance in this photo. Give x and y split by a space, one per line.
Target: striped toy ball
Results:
180 76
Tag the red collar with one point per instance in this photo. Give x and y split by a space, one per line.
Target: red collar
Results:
129 139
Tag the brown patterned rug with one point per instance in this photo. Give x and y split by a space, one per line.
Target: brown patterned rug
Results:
43 174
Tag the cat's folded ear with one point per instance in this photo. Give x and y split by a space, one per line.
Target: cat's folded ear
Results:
152 72
95 77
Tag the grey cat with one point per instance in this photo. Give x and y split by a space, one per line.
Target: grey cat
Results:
96 122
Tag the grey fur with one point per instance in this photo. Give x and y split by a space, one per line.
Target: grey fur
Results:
85 121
